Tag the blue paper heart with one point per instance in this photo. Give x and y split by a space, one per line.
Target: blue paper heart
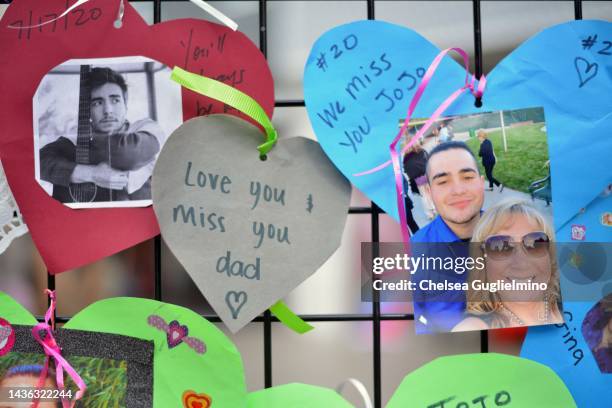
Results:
360 78
566 350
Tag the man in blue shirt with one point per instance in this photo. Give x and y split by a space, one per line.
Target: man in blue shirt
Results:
457 191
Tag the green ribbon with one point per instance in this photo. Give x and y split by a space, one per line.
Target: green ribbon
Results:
232 97
249 106
289 319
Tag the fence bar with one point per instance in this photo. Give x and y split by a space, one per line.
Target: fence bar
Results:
578 9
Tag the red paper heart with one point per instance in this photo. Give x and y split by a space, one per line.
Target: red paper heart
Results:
66 238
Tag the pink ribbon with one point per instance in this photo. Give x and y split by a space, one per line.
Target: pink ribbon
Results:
52 350
395 156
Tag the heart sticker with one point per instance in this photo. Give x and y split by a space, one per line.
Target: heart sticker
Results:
360 78
194 400
176 334
88 31
247 231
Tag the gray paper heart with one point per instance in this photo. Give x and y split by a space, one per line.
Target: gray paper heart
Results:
247 231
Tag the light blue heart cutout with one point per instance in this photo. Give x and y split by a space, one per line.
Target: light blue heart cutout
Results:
360 77
565 348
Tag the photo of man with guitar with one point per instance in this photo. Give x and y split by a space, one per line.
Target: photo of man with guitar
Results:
113 158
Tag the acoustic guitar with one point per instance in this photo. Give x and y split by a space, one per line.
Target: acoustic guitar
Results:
83 192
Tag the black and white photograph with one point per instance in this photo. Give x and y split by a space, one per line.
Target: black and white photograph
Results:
99 125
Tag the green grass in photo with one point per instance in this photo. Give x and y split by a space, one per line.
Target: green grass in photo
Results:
106 379
525 160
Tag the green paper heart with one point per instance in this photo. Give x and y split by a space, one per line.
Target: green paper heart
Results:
495 379
297 395
218 373
13 312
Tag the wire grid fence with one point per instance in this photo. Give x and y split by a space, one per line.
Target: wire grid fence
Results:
373 210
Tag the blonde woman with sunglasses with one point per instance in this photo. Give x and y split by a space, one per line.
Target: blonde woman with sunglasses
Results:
515 241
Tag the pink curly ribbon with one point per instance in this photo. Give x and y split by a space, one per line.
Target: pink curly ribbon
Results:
52 350
395 156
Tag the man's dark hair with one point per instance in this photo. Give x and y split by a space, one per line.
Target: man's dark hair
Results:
442 147
101 76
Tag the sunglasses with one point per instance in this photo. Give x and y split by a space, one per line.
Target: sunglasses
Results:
499 247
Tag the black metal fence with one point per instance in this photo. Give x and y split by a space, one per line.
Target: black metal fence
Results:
376 317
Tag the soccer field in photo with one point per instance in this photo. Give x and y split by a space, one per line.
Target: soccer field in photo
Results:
525 160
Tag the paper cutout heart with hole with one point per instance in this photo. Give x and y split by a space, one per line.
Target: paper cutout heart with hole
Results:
360 78
88 32
247 231
486 379
182 377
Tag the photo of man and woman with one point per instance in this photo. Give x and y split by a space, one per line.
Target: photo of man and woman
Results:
99 126
484 186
